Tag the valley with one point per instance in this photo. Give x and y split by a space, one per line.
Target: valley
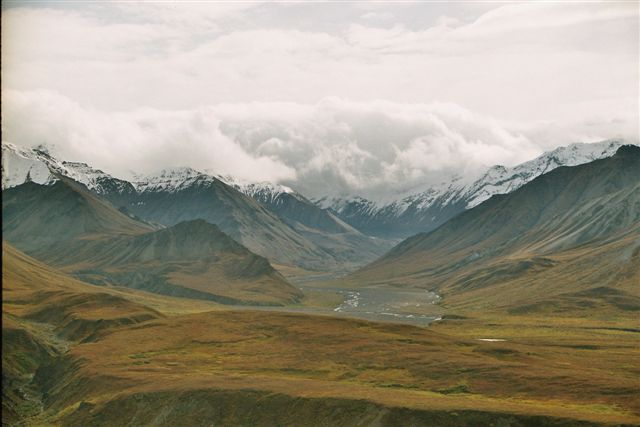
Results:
283 366
187 297
366 213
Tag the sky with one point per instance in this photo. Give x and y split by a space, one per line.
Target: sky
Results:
331 98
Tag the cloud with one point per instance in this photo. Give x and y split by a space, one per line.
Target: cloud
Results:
332 147
138 141
293 92
524 61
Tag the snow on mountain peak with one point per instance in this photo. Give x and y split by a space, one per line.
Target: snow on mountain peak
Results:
266 192
20 165
38 165
469 191
501 180
169 179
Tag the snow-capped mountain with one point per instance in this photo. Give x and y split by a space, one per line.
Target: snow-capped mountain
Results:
264 192
410 214
20 165
428 209
292 206
170 180
501 180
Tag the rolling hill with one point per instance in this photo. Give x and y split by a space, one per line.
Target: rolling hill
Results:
76 354
569 230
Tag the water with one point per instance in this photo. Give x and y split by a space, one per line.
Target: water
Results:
385 304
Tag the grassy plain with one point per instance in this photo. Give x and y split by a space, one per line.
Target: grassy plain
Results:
110 356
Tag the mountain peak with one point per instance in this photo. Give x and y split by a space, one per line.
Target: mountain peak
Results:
169 179
40 166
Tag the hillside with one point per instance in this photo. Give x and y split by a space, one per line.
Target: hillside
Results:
33 294
76 354
191 259
35 215
177 195
66 225
583 219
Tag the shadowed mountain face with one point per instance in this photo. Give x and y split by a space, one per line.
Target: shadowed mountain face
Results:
554 223
320 226
279 225
35 216
69 227
238 215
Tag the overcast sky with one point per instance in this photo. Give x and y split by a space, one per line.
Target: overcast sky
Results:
328 97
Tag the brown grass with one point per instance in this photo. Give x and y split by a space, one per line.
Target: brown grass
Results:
576 368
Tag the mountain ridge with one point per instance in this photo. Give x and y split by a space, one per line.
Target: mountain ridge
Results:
426 210
554 223
69 227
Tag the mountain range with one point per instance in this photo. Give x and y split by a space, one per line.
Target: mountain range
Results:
427 209
67 226
282 226
277 222
121 299
579 226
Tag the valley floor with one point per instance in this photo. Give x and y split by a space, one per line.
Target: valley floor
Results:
76 354
264 368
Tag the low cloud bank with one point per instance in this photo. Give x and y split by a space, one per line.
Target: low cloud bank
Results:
334 147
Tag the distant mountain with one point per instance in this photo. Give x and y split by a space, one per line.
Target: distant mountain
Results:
269 219
426 210
182 194
319 225
290 205
275 221
570 229
38 165
67 226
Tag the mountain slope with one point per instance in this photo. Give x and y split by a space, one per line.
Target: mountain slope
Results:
66 225
191 259
426 210
34 294
290 205
36 215
183 194
554 223
173 196
319 225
